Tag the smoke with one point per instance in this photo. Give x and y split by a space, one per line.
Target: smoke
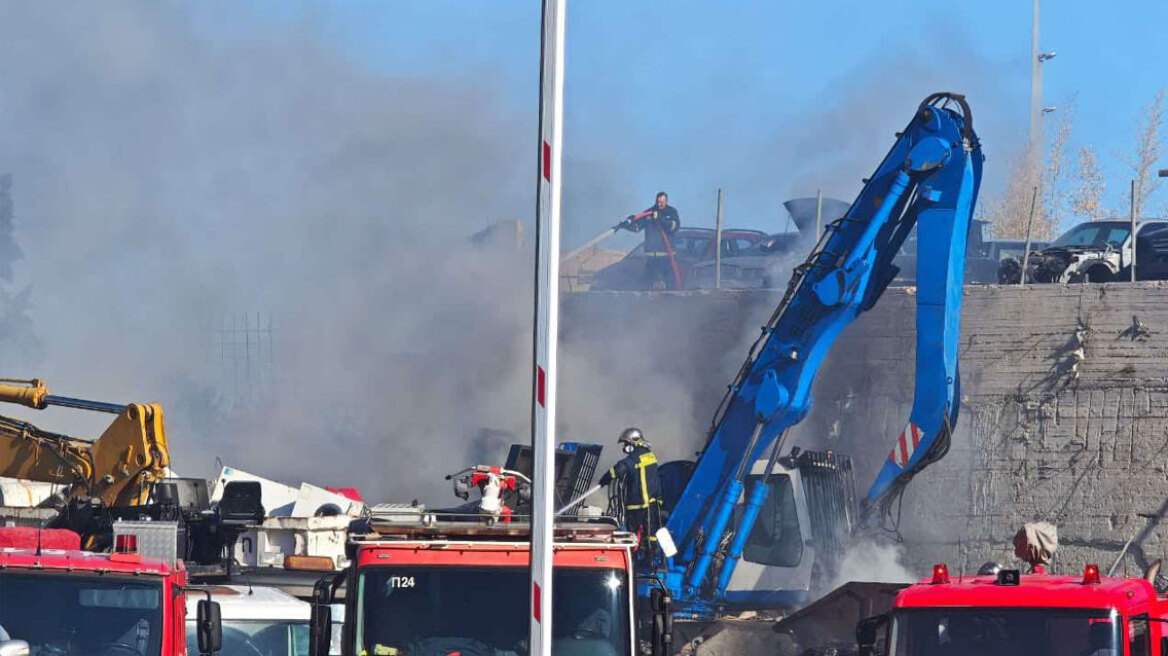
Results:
835 143
874 562
166 182
170 185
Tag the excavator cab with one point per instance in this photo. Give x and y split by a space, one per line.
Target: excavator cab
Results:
800 532
801 529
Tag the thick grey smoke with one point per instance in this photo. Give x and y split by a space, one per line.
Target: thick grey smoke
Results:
164 182
166 186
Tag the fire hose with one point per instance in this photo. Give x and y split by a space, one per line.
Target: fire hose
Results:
672 258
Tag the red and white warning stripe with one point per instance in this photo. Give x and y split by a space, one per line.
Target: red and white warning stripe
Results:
543 416
906 445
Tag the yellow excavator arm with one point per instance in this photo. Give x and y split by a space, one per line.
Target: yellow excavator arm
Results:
117 468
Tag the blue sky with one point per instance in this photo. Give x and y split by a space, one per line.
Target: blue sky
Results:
769 99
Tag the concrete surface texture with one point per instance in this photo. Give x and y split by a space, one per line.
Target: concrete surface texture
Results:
1064 413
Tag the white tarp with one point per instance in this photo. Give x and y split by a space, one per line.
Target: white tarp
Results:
1036 542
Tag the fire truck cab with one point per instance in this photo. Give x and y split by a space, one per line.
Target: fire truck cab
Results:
437 583
1010 613
57 600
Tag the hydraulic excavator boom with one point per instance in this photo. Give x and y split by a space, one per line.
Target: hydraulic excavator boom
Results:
117 468
928 180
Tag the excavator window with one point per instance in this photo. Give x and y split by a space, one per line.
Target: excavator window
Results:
776 539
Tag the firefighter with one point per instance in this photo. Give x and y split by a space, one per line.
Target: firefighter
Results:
638 488
659 222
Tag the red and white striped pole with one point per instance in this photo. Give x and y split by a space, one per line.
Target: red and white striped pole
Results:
547 274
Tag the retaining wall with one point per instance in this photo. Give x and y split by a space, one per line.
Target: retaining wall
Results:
1064 412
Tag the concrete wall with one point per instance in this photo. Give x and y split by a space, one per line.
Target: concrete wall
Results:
1064 412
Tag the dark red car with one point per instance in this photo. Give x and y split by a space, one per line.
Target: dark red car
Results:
691 246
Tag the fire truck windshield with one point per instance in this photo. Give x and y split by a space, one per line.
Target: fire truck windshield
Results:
1004 632
482 611
74 615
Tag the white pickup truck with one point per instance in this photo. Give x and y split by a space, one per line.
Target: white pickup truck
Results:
260 621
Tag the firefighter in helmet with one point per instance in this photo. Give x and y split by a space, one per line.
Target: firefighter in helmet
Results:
638 487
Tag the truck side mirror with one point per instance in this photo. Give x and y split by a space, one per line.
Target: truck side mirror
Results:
209 627
320 623
661 603
868 634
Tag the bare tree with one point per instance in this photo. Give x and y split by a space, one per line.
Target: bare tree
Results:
1087 198
1008 214
1149 139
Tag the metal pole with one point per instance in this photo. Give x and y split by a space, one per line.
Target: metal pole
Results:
549 175
1132 211
818 211
1035 84
718 242
1029 225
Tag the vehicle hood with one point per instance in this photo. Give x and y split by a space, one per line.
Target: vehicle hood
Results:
802 211
1073 250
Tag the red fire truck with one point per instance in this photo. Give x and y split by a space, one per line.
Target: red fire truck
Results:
443 583
1007 613
57 600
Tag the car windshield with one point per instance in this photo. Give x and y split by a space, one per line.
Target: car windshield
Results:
257 638
1094 235
1004 632
482 611
72 615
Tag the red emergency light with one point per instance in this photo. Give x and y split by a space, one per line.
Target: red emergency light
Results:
940 573
1091 575
126 543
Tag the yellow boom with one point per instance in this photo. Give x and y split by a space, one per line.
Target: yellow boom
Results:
118 468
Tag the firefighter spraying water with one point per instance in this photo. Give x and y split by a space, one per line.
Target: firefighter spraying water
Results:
658 223
635 496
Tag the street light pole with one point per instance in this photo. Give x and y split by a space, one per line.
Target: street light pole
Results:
1037 58
1035 82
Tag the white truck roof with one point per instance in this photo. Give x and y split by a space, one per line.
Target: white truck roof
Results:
241 602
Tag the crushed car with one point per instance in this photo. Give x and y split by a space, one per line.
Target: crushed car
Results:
767 264
1095 251
762 266
690 245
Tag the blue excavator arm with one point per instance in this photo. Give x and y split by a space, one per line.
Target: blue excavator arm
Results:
929 179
